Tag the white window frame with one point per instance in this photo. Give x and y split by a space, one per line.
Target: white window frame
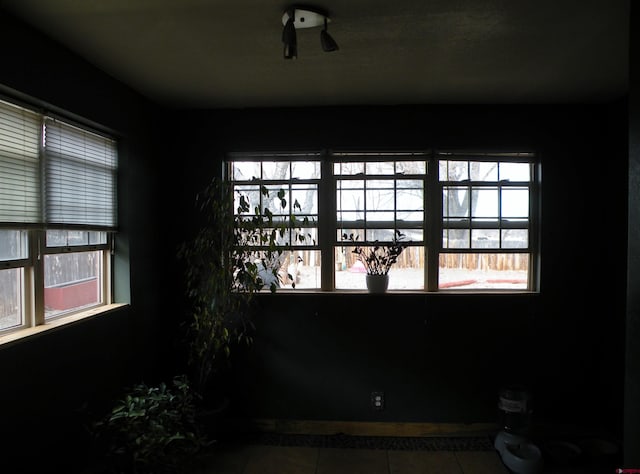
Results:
433 223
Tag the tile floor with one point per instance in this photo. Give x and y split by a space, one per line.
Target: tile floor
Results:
261 459
230 458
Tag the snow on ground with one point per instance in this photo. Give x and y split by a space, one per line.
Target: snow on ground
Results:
412 279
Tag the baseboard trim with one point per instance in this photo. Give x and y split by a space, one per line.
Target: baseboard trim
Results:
362 428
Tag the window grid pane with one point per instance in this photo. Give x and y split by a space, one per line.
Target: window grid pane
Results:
494 204
485 220
262 183
384 194
72 281
11 298
477 271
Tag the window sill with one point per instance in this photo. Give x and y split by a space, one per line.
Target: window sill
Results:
309 291
23 334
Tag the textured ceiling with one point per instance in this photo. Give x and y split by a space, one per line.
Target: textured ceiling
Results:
228 54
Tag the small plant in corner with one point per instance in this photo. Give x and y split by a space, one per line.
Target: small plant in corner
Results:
378 258
152 429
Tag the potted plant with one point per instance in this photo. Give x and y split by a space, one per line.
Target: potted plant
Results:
151 429
237 252
378 259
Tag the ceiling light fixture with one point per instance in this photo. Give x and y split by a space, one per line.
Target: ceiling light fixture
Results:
328 43
289 36
298 17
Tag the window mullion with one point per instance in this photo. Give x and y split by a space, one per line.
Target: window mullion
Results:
35 279
327 223
433 223
107 284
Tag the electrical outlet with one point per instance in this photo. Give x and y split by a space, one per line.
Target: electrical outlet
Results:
377 400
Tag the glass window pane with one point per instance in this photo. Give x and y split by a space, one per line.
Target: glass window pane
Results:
305 198
409 195
411 167
455 201
273 203
410 216
56 238
250 194
11 300
345 234
406 274
275 170
380 235
349 200
456 238
305 236
348 169
453 170
379 199
481 271
483 171
484 202
347 216
515 202
69 238
374 184
380 167
281 236
304 268
97 238
72 281
515 238
515 171
413 235
485 238
245 170
380 216
305 170
13 245
350 184
415 185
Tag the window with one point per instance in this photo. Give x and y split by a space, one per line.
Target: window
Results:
472 215
298 177
57 216
378 195
487 224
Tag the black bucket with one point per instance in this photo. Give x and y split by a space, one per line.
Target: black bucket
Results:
515 409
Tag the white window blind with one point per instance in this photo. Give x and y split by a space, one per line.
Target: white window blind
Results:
20 198
80 176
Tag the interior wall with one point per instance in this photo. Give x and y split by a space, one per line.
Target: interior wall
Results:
53 385
444 357
632 381
318 356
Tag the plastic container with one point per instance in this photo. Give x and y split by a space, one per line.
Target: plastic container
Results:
515 409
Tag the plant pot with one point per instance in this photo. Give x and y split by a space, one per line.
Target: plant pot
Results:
377 283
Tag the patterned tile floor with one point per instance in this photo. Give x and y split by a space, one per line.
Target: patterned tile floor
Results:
261 459
247 458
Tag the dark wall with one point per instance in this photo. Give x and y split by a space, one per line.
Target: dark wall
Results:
437 357
632 381
444 357
51 384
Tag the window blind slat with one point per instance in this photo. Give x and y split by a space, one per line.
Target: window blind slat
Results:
20 197
80 176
